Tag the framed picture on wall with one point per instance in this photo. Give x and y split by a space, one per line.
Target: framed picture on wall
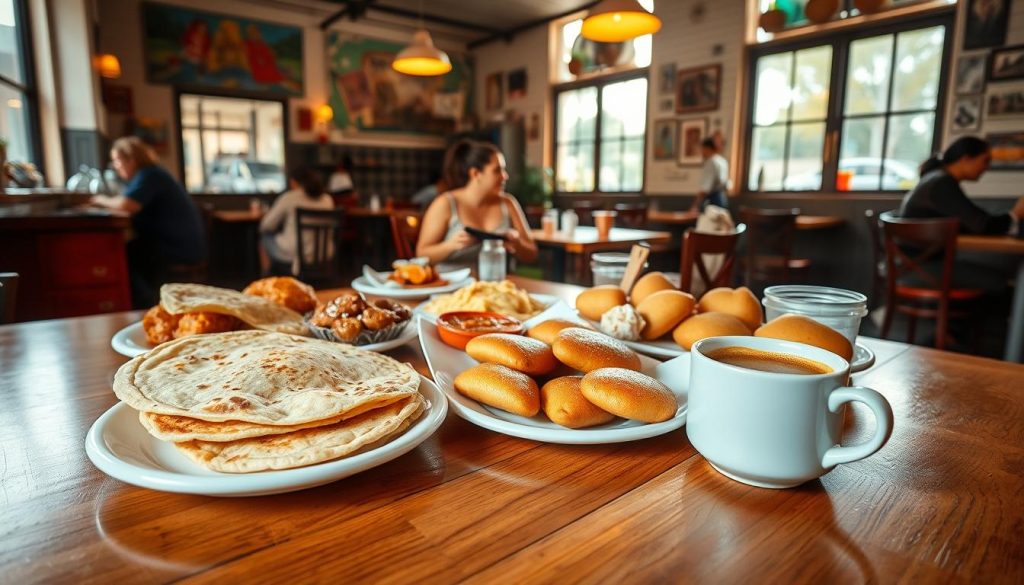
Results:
966 113
970 74
698 88
1007 151
986 23
666 135
1005 102
691 133
1007 63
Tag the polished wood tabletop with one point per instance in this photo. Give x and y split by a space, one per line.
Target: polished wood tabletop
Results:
1014 246
585 239
941 502
803 222
237 215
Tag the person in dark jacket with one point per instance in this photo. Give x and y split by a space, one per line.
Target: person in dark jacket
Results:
939 193
167 225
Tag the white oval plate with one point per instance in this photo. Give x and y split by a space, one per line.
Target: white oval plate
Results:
364 286
120 447
552 305
863 357
446 362
131 341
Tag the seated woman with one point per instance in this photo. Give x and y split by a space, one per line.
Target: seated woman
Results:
475 173
167 223
279 226
939 195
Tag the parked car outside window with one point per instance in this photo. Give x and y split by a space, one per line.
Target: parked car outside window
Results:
240 175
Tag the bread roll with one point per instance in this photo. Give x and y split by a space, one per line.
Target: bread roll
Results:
704 325
663 310
530 356
629 394
565 405
740 303
587 350
648 284
500 387
547 330
807 330
593 302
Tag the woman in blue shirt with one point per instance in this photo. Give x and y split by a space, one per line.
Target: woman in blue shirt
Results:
167 224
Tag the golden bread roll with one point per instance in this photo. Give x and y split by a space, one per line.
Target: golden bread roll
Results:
663 310
587 350
807 330
740 303
565 405
500 387
547 330
648 284
704 325
593 302
530 356
629 394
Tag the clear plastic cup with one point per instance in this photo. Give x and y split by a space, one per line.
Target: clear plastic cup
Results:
837 308
608 267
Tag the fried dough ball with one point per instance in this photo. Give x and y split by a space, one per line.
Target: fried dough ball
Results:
205 322
347 329
401 312
286 291
349 305
375 319
320 317
159 325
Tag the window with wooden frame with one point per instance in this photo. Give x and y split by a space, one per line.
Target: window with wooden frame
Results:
19 128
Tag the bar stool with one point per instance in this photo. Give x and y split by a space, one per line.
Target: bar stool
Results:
911 288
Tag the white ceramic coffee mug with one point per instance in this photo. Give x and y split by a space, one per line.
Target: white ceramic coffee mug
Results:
775 430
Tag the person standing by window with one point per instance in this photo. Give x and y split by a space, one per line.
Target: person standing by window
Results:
167 225
714 178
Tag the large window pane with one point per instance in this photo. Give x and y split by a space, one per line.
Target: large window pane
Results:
810 83
918 67
577 114
909 143
624 109
867 80
11 65
575 167
771 101
861 152
767 157
806 147
14 124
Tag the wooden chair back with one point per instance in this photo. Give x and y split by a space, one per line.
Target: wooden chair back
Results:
769 250
699 248
8 296
318 241
405 232
631 215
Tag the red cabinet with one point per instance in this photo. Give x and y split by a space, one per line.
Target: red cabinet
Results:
68 265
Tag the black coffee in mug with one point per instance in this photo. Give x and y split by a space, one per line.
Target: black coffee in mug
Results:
767 361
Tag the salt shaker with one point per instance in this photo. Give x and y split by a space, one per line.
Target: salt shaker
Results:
569 222
491 265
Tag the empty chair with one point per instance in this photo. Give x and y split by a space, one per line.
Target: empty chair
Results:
8 296
769 247
405 231
919 257
631 215
710 257
318 240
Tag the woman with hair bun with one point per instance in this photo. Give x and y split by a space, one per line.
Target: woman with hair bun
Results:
939 193
475 174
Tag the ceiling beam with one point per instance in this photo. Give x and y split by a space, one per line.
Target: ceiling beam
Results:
509 34
354 10
403 12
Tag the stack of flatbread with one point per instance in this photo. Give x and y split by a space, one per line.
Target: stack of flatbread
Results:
252 400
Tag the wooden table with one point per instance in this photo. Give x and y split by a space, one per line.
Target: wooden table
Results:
940 502
585 242
1005 245
803 222
237 215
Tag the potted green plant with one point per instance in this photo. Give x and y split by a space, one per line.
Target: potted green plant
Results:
533 187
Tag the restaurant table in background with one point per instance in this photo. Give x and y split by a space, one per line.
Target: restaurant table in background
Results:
939 502
584 242
803 222
1014 351
249 221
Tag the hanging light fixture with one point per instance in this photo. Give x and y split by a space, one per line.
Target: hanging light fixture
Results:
614 21
421 57
108 66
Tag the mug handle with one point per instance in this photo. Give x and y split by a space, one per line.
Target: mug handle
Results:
883 424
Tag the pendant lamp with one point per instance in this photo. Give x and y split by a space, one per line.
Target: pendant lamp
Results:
614 21
421 57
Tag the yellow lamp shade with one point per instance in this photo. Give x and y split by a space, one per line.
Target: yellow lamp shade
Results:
614 21
324 113
108 66
421 57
